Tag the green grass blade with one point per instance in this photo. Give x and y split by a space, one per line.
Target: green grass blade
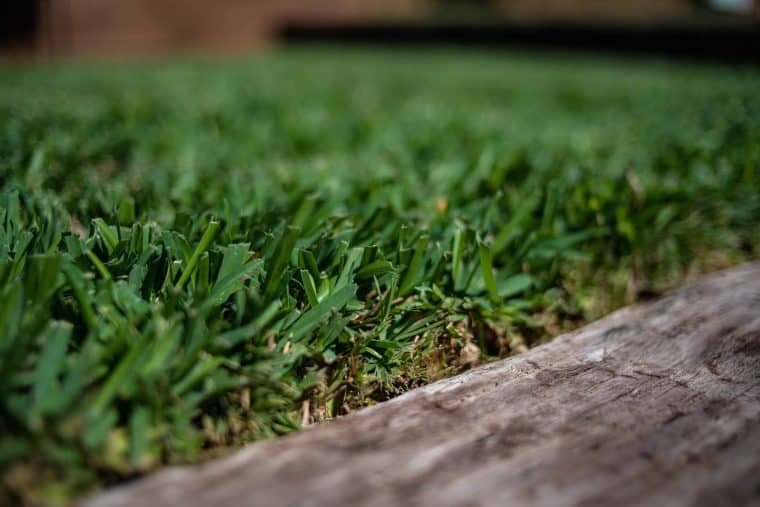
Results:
486 265
203 244
50 364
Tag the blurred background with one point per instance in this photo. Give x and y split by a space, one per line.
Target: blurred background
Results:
115 28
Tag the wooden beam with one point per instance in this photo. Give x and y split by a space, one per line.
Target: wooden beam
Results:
657 404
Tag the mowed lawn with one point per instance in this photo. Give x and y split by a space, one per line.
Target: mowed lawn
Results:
196 255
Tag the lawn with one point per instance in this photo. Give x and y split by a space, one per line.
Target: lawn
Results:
198 254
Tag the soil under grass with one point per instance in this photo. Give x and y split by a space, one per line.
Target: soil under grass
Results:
195 255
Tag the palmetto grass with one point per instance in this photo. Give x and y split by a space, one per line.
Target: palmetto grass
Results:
197 255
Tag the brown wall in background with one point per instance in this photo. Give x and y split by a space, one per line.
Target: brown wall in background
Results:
139 27
156 26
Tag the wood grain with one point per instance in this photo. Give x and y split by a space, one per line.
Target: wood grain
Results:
657 404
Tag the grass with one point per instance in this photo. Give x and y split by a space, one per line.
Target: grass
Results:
197 255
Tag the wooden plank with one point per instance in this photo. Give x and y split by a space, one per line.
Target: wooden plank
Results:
657 404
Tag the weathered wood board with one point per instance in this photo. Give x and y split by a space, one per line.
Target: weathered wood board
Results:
657 404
